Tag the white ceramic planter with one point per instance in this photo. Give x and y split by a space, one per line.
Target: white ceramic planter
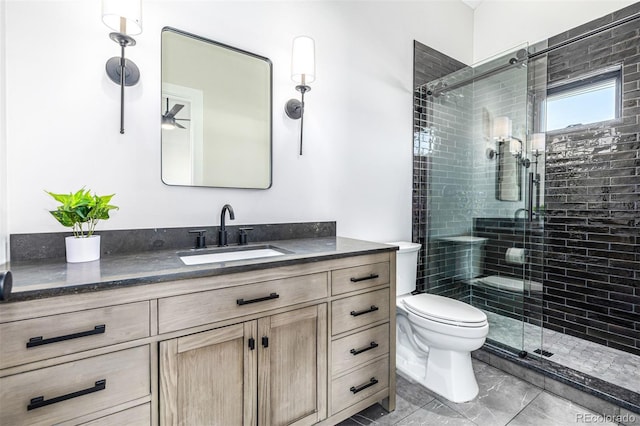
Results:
82 249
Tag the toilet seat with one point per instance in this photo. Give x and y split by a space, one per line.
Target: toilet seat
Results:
445 310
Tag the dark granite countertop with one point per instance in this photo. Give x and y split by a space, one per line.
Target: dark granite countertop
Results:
37 279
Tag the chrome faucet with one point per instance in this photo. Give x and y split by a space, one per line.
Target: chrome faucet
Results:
515 215
222 232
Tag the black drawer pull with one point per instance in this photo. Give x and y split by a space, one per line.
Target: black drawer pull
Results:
370 277
372 345
357 389
39 341
260 299
39 401
373 308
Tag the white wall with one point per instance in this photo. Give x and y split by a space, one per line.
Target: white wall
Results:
3 141
63 113
500 25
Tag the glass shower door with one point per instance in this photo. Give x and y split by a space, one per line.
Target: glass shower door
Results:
473 138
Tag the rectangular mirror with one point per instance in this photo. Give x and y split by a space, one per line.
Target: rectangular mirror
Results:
216 114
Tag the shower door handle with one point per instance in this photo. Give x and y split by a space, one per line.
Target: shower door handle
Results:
530 198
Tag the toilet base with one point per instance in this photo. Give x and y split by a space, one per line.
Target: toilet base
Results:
411 366
451 375
447 373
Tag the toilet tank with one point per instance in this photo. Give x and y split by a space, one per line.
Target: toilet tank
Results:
406 265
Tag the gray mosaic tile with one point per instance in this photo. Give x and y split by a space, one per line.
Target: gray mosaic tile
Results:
602 362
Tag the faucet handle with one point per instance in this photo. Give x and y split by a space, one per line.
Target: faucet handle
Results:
242 237
200 239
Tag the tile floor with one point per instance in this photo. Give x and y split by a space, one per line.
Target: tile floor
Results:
503 400
608 364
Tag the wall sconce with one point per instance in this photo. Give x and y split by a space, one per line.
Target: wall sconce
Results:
124 17
501 131
538 141
303 72
502 128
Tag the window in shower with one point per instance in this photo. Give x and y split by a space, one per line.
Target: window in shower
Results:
580 102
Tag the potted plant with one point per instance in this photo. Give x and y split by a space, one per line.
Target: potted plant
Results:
76 210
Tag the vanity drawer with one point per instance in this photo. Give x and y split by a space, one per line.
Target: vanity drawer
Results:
47 337
75 388
360 310
350 351
359 384
190 310
136 416
359 277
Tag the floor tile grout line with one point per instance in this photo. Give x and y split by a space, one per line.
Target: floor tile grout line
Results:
525 407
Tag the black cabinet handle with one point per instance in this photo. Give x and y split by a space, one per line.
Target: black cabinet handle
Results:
39 401
260 299
39 341
370 277
265 342
372 345
373 308
252 343
356 389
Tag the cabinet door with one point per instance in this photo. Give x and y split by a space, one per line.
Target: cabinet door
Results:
293 367
209 378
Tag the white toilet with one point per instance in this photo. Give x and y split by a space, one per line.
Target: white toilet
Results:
435 334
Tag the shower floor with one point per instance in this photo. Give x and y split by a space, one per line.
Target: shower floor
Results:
608 364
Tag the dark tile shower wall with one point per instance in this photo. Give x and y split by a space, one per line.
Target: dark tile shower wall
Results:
590 244
429 64
502 234
592 229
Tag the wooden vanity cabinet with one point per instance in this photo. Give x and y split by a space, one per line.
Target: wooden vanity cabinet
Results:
300 344
64 365
268 371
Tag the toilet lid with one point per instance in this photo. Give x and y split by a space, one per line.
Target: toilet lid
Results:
444 309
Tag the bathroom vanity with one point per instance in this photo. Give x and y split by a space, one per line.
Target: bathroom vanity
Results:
302 338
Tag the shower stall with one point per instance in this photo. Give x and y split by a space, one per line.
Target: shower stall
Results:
473 143
533 217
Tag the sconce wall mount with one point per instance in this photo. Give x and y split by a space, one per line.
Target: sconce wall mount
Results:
114 65
294 108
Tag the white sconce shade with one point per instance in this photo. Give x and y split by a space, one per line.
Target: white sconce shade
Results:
502 128
303 61
538 141
123 16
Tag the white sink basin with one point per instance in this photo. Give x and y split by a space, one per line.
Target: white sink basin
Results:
230 255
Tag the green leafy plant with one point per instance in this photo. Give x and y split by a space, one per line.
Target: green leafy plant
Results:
80 208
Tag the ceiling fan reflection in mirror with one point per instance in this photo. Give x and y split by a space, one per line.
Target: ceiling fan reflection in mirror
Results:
169 120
